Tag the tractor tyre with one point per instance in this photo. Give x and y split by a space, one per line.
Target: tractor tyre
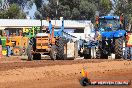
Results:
37 56
118 48
29 53
98 54
104 56
87 53
60 49
53 53
128 53
87 56
17 51
85 81
24 51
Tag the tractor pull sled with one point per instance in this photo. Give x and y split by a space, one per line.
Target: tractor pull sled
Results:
86 81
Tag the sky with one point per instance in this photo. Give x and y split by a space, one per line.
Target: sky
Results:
32 11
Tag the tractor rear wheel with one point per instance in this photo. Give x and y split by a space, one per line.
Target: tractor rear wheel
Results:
53 53
60 49
29 52
118 48
17 51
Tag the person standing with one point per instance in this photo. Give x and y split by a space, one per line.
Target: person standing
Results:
128 47
7 46
0 48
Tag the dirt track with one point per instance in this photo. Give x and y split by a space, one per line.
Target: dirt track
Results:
17 73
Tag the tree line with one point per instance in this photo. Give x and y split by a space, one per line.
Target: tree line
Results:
69 9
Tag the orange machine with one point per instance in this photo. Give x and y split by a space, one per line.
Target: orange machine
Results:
43 41
47 44
19 45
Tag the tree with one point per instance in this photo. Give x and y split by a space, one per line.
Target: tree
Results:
38 3
13 12
125 7
87 10
104 7
21 3
74 9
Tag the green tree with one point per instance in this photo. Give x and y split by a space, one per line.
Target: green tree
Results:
13 12
38 3
74 9
125 7
21 3
87 9
104 7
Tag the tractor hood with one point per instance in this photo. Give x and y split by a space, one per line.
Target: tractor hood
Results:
112 34
57 33
41 34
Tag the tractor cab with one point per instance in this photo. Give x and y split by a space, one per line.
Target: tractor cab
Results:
110 26
109 23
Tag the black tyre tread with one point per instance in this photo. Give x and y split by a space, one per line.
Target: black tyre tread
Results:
60 49
98 54
87 53
52 52
87 56
29 54
85 81
20 53
118 48
104 56
25 52
36 56
128 53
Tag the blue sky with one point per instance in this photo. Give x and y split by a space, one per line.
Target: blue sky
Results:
32 11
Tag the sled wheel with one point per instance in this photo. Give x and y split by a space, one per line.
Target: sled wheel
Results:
85 81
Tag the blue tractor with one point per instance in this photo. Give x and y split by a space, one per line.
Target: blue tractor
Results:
111 30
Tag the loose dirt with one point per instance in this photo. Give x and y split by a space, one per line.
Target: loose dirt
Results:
18 73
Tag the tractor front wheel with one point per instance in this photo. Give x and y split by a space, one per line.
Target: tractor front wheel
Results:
17 51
